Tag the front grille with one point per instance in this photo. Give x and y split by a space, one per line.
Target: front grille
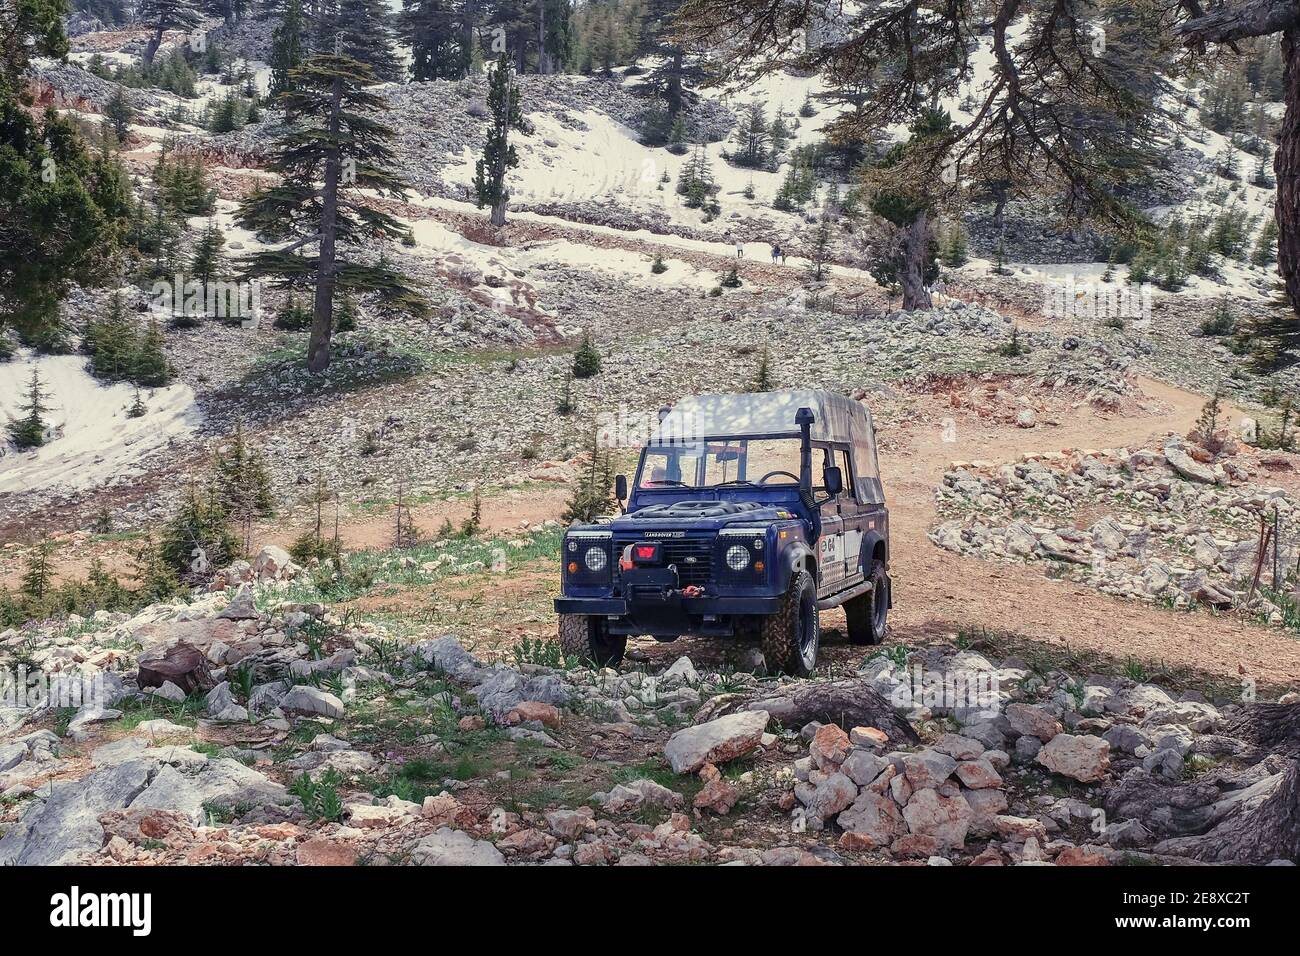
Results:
694 560
680 551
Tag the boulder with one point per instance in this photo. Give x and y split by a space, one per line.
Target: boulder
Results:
305 699
1033 721
946 819
978 774
829 748
717 741
448 847
1085 758
874 818
927 769
1187 466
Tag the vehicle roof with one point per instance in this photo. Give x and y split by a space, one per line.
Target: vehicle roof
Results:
836 418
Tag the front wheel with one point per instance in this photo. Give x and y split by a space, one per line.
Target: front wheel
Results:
868 614
588 639
790 637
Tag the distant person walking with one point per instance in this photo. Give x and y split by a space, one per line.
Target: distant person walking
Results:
776 254
781 252
740 249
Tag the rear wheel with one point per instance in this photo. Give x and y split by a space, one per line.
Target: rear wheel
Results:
790 637
868 614
588 639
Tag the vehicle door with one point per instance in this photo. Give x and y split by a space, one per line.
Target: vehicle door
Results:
830 543
855 518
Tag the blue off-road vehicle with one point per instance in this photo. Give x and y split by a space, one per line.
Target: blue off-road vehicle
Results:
749 515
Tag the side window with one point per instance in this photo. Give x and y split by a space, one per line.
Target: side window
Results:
843 459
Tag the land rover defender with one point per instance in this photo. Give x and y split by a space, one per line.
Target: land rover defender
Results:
748 515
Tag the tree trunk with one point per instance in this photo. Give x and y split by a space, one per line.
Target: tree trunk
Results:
1286 166
1257 18
1256 826
151 48
911 274
675 84
468 34
322 325
541 37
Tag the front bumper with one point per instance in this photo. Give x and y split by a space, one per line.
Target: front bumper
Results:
621 607
672 616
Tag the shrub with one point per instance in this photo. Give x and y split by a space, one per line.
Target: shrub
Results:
586 361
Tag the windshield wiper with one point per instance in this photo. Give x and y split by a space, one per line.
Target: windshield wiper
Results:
666 481
737 481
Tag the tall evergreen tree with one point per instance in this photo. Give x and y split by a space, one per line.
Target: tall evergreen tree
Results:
499 154
288 47
119 112
49 185
206 263
165 15
360 30
28 430
677 67
434 30
332 151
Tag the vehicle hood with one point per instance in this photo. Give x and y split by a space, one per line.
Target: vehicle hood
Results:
699 516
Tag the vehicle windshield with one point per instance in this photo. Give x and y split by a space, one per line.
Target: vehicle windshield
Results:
714 462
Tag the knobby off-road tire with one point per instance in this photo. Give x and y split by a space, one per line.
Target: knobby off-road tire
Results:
588 639
868 614
789 638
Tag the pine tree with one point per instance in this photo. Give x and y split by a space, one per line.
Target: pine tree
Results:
434 30
38 576
586 361
763 377
29 430
288 47
155 579
359 30
198 538
499 154
752 137
110 342
119 112
138 408
819 250
53 232
677 136
165 15
206 263
149 365
1265 253
592 497
955 246
241 478
335 143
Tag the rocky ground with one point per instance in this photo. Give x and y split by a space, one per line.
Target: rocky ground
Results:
254 725
1179 525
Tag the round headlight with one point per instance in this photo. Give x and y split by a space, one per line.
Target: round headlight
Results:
737 557
595 559
573 545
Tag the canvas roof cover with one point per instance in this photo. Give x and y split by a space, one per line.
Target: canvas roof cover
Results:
763 413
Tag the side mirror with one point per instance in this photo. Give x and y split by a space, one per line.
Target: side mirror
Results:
620 488
833 480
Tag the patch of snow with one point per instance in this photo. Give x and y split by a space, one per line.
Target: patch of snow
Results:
93 442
